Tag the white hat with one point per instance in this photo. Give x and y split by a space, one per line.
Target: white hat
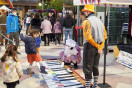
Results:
70 43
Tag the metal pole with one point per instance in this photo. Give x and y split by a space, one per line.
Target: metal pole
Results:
105 50
78 15
78 24
42 4
75 24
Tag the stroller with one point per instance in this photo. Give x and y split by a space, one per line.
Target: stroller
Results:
71 53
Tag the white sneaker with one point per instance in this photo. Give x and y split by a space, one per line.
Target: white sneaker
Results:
69 70
62 64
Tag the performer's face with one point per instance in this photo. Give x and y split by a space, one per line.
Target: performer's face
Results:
86 13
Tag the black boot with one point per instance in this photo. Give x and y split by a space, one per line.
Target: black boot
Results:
42 70
67 63
29 71
75 65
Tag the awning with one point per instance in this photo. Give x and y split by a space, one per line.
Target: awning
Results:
5 8
118 2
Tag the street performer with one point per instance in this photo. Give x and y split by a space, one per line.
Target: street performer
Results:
94 38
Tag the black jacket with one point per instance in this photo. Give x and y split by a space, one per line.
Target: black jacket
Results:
36 23
51 19
68 22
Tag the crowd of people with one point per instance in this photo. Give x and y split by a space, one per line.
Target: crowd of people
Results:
49 30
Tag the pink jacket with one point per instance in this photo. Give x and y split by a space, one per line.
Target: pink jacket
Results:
46 27
57 28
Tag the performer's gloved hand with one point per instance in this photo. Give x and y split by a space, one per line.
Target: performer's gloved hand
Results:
100 51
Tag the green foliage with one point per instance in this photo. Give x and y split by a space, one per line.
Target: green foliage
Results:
56 4
53 4
39 7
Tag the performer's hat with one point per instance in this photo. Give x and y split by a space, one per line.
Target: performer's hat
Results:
88 8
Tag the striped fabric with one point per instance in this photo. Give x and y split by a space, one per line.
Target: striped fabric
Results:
88 83
95 81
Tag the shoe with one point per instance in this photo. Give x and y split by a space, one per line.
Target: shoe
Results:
75 66
62 64
29 71
69 70
92 86
67 63
42 70
18 52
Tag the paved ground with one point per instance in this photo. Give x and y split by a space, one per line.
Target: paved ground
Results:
117 76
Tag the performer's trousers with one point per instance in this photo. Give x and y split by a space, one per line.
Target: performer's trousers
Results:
90 60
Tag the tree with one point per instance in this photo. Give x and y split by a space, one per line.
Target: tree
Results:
46 5
56 4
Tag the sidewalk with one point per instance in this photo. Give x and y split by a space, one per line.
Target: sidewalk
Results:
117 75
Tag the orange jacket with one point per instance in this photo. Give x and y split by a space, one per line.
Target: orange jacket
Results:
88 35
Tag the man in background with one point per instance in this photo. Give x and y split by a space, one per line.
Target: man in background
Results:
12 27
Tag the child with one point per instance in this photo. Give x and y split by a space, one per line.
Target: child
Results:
11 68
57 31
38 41
31 51
71 53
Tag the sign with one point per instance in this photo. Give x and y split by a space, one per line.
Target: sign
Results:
125 59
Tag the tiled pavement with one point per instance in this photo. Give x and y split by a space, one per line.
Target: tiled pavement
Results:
117 76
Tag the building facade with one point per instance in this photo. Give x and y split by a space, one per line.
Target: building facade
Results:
21 5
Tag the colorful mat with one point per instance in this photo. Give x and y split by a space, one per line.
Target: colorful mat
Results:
58 77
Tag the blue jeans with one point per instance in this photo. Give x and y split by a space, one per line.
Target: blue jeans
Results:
28 24
68 31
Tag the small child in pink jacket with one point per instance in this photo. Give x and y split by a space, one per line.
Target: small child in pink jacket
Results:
57 31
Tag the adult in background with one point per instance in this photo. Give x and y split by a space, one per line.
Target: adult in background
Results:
60 18
68 23
46 27
94 34
28 20
12 27
2 25
52 20
3 17
36 22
